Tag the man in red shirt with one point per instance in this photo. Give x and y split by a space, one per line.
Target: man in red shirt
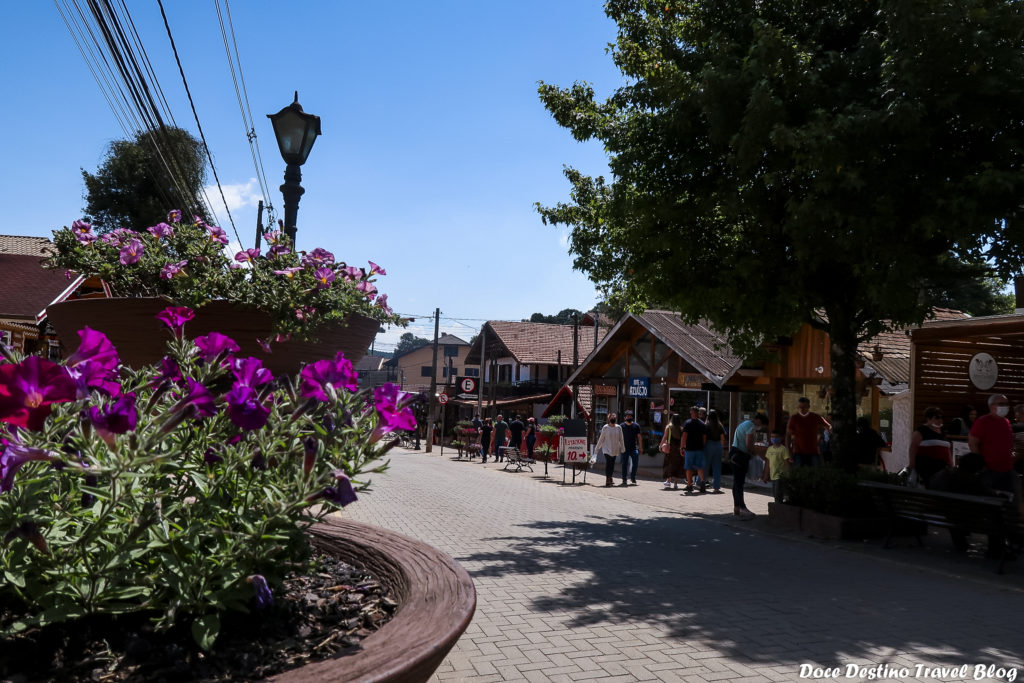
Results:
803 431
992 436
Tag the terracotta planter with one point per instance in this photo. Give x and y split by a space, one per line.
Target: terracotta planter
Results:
436 598
141 339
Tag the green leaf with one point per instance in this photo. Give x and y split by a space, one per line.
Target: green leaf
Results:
205 630
16 579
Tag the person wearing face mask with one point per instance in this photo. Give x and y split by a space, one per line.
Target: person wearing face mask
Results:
779 462
610 445
929 447
992 436
632 441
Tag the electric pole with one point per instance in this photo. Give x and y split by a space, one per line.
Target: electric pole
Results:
433 385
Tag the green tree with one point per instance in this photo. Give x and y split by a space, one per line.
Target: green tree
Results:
775 163
409 342
971 288
140 179
563 317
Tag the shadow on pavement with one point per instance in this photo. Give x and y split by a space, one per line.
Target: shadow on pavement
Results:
752 597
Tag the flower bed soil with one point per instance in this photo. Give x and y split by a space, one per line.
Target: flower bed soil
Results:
318 616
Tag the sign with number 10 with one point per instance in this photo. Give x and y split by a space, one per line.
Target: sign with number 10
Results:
575 449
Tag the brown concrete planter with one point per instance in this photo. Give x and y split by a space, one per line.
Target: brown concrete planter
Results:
141 339
785 516
436 597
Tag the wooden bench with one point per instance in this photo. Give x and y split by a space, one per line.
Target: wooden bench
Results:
970 514
514 457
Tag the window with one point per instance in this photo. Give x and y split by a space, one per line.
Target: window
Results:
444 371
425 371
472 372
451 350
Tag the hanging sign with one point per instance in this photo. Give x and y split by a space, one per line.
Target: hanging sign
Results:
442 398
467 385
983 371
604 390
639 387
688 380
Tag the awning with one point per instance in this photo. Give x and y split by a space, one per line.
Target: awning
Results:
564 393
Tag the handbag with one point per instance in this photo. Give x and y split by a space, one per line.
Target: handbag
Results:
665 447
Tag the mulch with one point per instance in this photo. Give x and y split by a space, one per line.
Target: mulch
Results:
314 617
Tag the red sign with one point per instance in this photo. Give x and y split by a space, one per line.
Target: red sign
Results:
442 398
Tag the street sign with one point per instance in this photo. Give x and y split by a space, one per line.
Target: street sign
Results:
575 449
468 385
639 387
442 398
467 397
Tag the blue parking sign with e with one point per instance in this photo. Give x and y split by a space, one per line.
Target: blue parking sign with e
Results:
639 387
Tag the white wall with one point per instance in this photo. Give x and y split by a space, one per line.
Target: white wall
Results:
902 428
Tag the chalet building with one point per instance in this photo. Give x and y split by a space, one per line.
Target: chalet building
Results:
412 370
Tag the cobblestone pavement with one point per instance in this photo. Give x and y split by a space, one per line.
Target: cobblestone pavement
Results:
640 584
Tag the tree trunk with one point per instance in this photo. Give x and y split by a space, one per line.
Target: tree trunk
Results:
843 355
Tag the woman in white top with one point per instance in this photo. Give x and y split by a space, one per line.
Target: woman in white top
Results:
610 443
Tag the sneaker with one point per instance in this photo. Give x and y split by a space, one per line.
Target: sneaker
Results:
623 484
633 483
689 488
667 484
703 487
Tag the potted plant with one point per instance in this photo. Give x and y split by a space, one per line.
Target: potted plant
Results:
185 490
277 306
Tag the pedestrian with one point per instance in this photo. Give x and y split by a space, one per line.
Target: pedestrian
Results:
633 442
531 436
929 451
867 445
477 423
714 448
740 454
673 467
500 432
610 445
485 438
695 436
803 430
961 426
515 430
992 436
779 462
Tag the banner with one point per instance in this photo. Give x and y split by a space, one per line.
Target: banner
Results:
575 449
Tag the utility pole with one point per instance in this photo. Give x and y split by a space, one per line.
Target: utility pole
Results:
596 316
575 358
259 224
480 380
433 386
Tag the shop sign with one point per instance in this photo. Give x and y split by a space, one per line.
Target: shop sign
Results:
639 387
604 390
983 371
688 380
575 449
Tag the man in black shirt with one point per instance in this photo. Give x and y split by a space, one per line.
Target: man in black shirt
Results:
695 435
515 430
631 439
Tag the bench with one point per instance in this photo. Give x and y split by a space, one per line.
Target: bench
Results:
969 514
514 457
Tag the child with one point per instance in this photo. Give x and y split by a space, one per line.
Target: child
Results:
779 461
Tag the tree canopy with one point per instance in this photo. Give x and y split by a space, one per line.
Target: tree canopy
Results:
789 162
409 342
132 188
563 317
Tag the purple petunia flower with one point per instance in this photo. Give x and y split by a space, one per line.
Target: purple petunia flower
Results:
264 598
247 255
172 269
174 216
393 406
278 250
375 269
217 234
382 302
245 409
29 388
169 372
13 457
324 277
95 364
161 230
318 257
367 288
342 493
199 401
83 232
352 273
214 344
175 318
118 417
310 448
272 236
337 373
132 252
249 372
289 272
210 457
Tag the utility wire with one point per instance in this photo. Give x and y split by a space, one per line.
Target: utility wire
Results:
195 115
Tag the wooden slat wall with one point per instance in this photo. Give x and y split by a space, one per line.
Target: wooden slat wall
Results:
941 375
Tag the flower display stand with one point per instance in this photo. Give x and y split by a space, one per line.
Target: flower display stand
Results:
141 339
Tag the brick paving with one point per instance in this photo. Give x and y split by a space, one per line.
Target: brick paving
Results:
582 583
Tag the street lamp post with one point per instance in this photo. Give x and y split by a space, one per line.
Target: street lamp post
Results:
296 131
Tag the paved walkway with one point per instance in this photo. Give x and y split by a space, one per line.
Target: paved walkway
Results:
640 584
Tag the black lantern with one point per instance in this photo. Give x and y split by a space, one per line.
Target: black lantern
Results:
296 131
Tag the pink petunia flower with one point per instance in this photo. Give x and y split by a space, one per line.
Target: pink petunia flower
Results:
324 277
29 388
289 272
337 374
161 230
175 318
247 255
318 257
375 269
172 269
132 252
174 216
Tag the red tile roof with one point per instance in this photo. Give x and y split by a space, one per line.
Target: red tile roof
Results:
893 348
25 246
26 288
533 342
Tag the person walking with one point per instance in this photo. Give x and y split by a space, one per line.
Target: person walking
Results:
740 454
610 445
673 467
779 462
696 435
992 436
485 438
804 429
531 437
515 430
633 443
500 432
714 448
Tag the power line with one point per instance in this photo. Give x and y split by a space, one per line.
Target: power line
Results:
195 115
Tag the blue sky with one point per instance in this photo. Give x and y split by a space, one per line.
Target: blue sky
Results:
434 147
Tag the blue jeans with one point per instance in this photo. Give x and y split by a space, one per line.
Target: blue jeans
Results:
630 456
713 451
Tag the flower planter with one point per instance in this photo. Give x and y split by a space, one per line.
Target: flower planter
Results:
141 339
436 597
